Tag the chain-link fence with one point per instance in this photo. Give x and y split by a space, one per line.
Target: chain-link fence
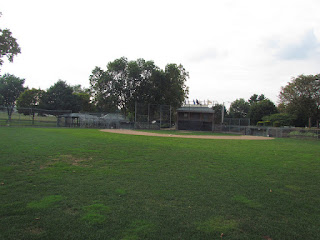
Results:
30 117
284 132
236 122
94 120
242 126
277 132
233 125
147 116
152 116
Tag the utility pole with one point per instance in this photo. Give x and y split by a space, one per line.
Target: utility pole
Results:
135 114
170 117
222 113
160 117
149 115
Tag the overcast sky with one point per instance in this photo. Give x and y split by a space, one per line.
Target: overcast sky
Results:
231 48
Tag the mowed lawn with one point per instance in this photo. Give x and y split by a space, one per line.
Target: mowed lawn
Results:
87 184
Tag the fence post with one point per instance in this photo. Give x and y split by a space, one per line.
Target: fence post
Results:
32 113
135 114
160 116
19 118
212 122
170 116
148 115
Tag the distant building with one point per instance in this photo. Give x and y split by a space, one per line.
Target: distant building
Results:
195 117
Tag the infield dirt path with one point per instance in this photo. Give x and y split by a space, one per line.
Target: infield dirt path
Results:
132 132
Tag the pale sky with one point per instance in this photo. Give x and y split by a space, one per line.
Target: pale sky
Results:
231 48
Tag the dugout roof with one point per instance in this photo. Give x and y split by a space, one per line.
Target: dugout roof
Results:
195 109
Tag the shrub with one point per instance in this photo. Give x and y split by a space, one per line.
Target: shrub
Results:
302 134
264 123
276 124
260 123
282 119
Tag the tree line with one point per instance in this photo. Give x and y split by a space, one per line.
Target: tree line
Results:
299 105
115 89
125 82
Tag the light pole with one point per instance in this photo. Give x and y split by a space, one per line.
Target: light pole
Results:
317 80
222 113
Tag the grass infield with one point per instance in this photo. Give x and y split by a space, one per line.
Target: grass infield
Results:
88 184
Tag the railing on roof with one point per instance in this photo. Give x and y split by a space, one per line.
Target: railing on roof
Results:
197 103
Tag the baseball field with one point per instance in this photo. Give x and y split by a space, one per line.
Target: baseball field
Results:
60 183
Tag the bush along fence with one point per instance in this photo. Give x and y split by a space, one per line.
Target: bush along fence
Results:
277 132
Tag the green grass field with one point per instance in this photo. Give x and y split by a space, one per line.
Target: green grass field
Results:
87 184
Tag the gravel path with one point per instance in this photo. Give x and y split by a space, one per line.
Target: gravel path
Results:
132 132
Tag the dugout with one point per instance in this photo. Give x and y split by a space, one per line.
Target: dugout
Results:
195 118
69 120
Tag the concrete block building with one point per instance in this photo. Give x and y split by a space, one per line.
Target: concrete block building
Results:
195 118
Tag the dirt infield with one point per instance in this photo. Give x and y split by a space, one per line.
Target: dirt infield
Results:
132 132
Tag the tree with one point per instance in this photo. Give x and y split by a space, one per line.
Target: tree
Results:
84 97
60 97
126 82
301 97
255 98
218 112
239 108
10 89
8 45
280 119
175 91
30 98
260 109
28 101
100 89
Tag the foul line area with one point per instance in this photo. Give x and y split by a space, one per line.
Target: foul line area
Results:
132 132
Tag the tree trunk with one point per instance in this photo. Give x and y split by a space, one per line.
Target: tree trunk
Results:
309 122
9 110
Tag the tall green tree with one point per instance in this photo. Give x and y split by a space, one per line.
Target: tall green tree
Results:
100 87
239 108
256 98
84 97
8 45
175 89
30 98
28 101
218 108
10 89
260 109
301 97
126 82
1 100
60 96
280 119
